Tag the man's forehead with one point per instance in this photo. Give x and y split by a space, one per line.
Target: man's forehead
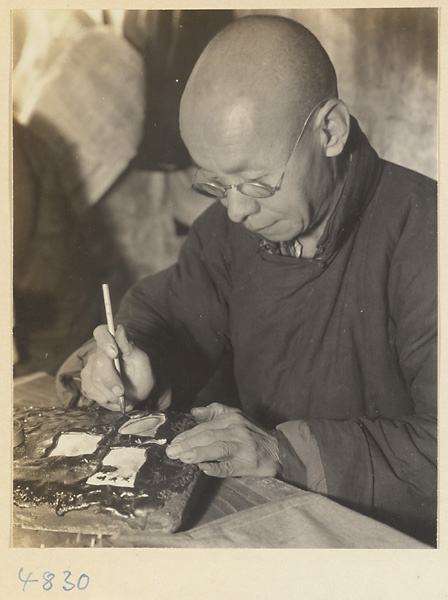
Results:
249 158
235 118
246 167
239 143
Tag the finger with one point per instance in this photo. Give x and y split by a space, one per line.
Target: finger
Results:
127 347
98 393
105 374
92 384
105 341
207 413
197 437
85 402
220 422
217 450
114 405
226 468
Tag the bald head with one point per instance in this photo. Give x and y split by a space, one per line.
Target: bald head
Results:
258 78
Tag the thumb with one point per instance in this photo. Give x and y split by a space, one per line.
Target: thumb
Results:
207 413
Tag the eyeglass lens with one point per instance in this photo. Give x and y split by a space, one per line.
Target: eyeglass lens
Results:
255 190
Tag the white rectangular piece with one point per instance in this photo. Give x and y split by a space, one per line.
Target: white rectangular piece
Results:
127 462
76 443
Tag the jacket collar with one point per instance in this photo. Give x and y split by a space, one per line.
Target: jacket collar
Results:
363 174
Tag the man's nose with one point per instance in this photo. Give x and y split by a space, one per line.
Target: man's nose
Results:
239 206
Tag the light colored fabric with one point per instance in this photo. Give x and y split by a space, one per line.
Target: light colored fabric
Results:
88 107
304 520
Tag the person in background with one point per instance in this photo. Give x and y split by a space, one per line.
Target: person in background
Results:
54 278
315 270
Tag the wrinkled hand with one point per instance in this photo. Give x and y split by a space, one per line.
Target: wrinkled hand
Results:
227 443
100 380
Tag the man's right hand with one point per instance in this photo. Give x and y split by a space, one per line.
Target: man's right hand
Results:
99 378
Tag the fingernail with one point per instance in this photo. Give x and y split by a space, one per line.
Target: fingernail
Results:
111 351
187 457
201 413
117 390
173 450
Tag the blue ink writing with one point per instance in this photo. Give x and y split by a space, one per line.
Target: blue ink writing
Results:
72 585
51 580
27 580
48 581
87 581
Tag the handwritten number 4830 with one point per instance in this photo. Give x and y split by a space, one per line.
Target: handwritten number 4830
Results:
82 583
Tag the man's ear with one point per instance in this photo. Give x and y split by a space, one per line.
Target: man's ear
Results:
334 118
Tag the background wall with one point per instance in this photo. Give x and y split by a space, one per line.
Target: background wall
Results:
387 64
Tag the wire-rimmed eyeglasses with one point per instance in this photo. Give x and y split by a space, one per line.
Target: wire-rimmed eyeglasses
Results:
254 189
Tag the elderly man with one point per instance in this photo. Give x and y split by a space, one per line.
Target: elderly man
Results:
316 270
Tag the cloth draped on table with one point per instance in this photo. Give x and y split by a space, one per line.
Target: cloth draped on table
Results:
302 520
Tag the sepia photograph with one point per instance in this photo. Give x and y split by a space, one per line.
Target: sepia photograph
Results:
225 279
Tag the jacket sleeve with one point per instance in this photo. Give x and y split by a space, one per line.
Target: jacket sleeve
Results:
386 467
179 316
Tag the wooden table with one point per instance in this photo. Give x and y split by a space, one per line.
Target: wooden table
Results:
239 512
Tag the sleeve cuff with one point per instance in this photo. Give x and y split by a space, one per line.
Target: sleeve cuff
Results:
68 380
300 456
292 468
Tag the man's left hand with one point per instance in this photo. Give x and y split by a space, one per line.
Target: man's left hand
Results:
227 443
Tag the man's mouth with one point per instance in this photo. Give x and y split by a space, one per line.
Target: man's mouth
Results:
258 229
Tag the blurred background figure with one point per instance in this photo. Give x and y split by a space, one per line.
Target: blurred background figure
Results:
54 278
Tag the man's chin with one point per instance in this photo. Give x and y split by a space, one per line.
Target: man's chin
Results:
278 236
273 232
